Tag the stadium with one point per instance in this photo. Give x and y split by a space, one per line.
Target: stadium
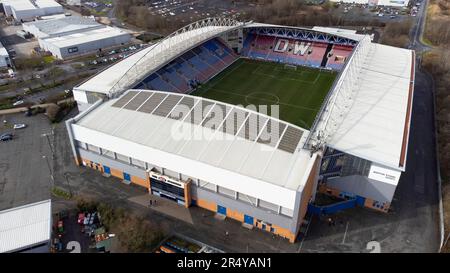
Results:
251 120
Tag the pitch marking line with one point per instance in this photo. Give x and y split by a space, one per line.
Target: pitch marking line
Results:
257 72
251 95
240 95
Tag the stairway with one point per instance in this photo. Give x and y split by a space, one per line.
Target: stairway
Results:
325 56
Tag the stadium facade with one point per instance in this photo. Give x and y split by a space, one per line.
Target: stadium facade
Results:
138 122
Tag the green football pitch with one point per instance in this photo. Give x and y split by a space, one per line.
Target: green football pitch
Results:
298 92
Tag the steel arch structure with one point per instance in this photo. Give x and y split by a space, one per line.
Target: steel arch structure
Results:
171 46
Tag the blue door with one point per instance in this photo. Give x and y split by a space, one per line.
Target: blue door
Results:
126 177
107 170
221 210
360 200
248 220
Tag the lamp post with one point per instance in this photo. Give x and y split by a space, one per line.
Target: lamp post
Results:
49 169
49 144
66 176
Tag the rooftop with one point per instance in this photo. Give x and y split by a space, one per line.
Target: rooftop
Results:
66 24
25 226
229 138
376 126
85 37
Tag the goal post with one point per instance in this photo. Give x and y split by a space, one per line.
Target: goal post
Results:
290 67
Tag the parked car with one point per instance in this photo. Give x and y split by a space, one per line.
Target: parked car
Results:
19 102
6 137
81 218
20 126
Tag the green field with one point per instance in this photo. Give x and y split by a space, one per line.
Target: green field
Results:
299 93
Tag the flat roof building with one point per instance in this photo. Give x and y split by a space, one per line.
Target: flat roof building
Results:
73 36
27 10
80 43
26 228
5 61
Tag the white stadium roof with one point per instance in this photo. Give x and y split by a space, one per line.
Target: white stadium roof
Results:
374 126
239 156
25 226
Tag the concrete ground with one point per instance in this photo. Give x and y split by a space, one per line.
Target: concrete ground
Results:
9 39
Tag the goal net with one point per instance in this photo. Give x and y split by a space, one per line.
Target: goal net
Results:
290 67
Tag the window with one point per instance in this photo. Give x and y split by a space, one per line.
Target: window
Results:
268 205
122 158
72 49
138 163
247 198
92 148
107 153
80 144
207 185
287 212
226 191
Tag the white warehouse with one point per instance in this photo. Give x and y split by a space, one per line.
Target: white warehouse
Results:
73 36
27 10
4 57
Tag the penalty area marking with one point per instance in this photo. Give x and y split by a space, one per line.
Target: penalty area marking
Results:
252 95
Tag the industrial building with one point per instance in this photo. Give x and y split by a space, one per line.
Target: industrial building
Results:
138 122
27 228
73 36
5 61
60 26
27 10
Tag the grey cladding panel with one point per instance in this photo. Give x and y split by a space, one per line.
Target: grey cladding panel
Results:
234 121
216 116
153 102
290 139
200 110
137 101
182 109
272 133
167 105
125 99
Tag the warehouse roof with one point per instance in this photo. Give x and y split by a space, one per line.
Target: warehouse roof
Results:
30 5
3 51
47 3
85 37
66 24
376 127
25 226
